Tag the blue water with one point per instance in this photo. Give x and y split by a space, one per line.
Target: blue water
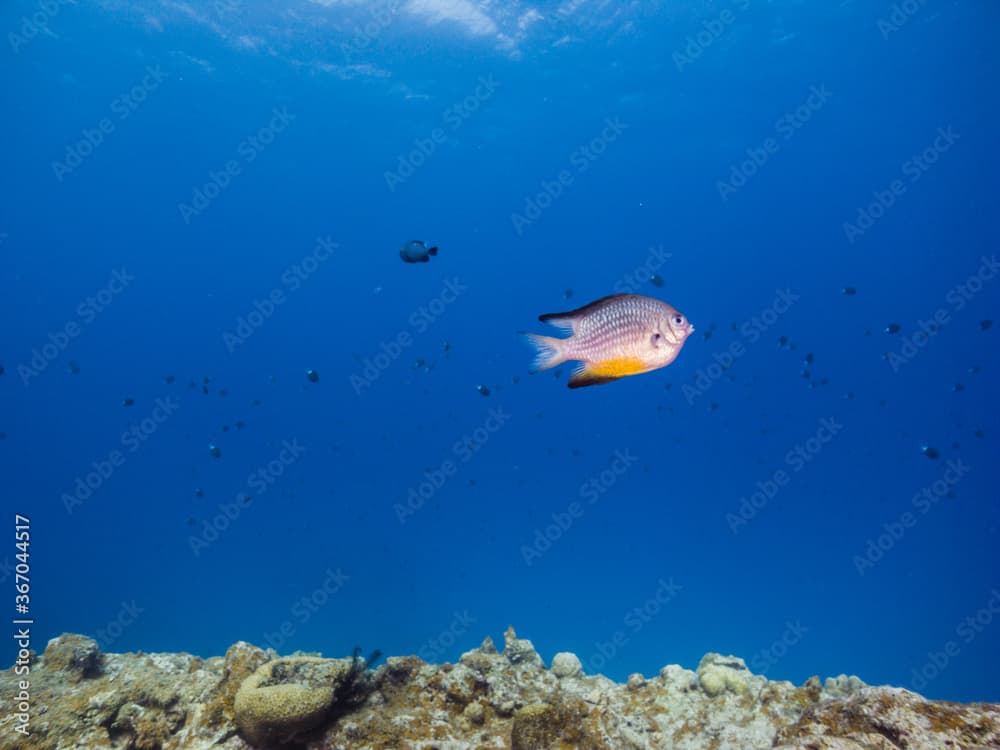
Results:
168 168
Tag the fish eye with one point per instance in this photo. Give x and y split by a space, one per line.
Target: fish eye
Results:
678 320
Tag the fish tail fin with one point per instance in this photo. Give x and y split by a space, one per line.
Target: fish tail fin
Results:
549 351
433 250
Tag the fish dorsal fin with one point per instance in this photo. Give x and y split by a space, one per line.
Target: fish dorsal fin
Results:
568 319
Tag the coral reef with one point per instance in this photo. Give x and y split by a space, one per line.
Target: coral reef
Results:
252 698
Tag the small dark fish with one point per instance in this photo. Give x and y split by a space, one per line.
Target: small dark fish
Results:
418 364
313 376
985 324
783 341
215 451
3 435
893 328
255 402
2 371
849 395
416 251
806 374
568 293
240 425
223 393
225 428
128 401
191 521
848 291
204 390
930 451
199 492
809 358
958 388
483 390
656 280
73 367
979 433
169 380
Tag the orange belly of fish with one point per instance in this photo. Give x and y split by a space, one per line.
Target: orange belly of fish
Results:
616 368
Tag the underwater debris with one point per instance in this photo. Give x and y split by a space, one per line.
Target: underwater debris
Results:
312 376
416 251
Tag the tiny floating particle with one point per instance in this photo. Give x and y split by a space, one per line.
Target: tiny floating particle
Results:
985 324
893 328
930 451
128 401
215 451
483 390
848 291
313 376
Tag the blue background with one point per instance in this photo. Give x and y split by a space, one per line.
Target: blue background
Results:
695 85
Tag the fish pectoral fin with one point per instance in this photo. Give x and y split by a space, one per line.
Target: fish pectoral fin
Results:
598 373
